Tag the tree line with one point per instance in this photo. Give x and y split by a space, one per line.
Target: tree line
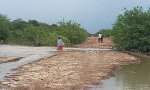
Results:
130 32
104 32
36 33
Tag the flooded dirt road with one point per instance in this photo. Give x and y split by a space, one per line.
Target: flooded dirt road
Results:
29 54
73 70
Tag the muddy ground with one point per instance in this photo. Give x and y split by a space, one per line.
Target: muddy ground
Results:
9 59
74 70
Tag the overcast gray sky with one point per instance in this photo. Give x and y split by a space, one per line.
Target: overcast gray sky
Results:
93 15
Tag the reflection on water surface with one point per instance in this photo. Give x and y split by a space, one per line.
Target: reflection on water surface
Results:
130 77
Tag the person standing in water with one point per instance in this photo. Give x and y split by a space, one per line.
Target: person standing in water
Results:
60 44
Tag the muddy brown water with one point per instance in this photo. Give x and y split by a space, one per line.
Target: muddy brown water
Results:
130 77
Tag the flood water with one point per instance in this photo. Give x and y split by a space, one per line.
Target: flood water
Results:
130 77
29 54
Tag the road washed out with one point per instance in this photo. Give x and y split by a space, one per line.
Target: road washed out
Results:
29 54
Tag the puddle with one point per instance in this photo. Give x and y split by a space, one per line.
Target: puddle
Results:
130 77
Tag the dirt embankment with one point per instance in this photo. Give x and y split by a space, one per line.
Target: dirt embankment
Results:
9 59
75 70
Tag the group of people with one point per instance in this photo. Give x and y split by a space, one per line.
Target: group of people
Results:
60 43
100 38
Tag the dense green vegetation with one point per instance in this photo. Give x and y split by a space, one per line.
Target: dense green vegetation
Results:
104 32
36 33
131 31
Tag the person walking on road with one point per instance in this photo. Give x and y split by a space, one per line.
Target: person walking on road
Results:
99 38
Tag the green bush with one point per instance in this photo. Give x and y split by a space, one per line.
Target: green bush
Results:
131 31
72 31
40 34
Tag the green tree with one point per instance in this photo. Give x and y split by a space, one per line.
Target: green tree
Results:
39 34
72 31
131 31
33 22
4 27
19 24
